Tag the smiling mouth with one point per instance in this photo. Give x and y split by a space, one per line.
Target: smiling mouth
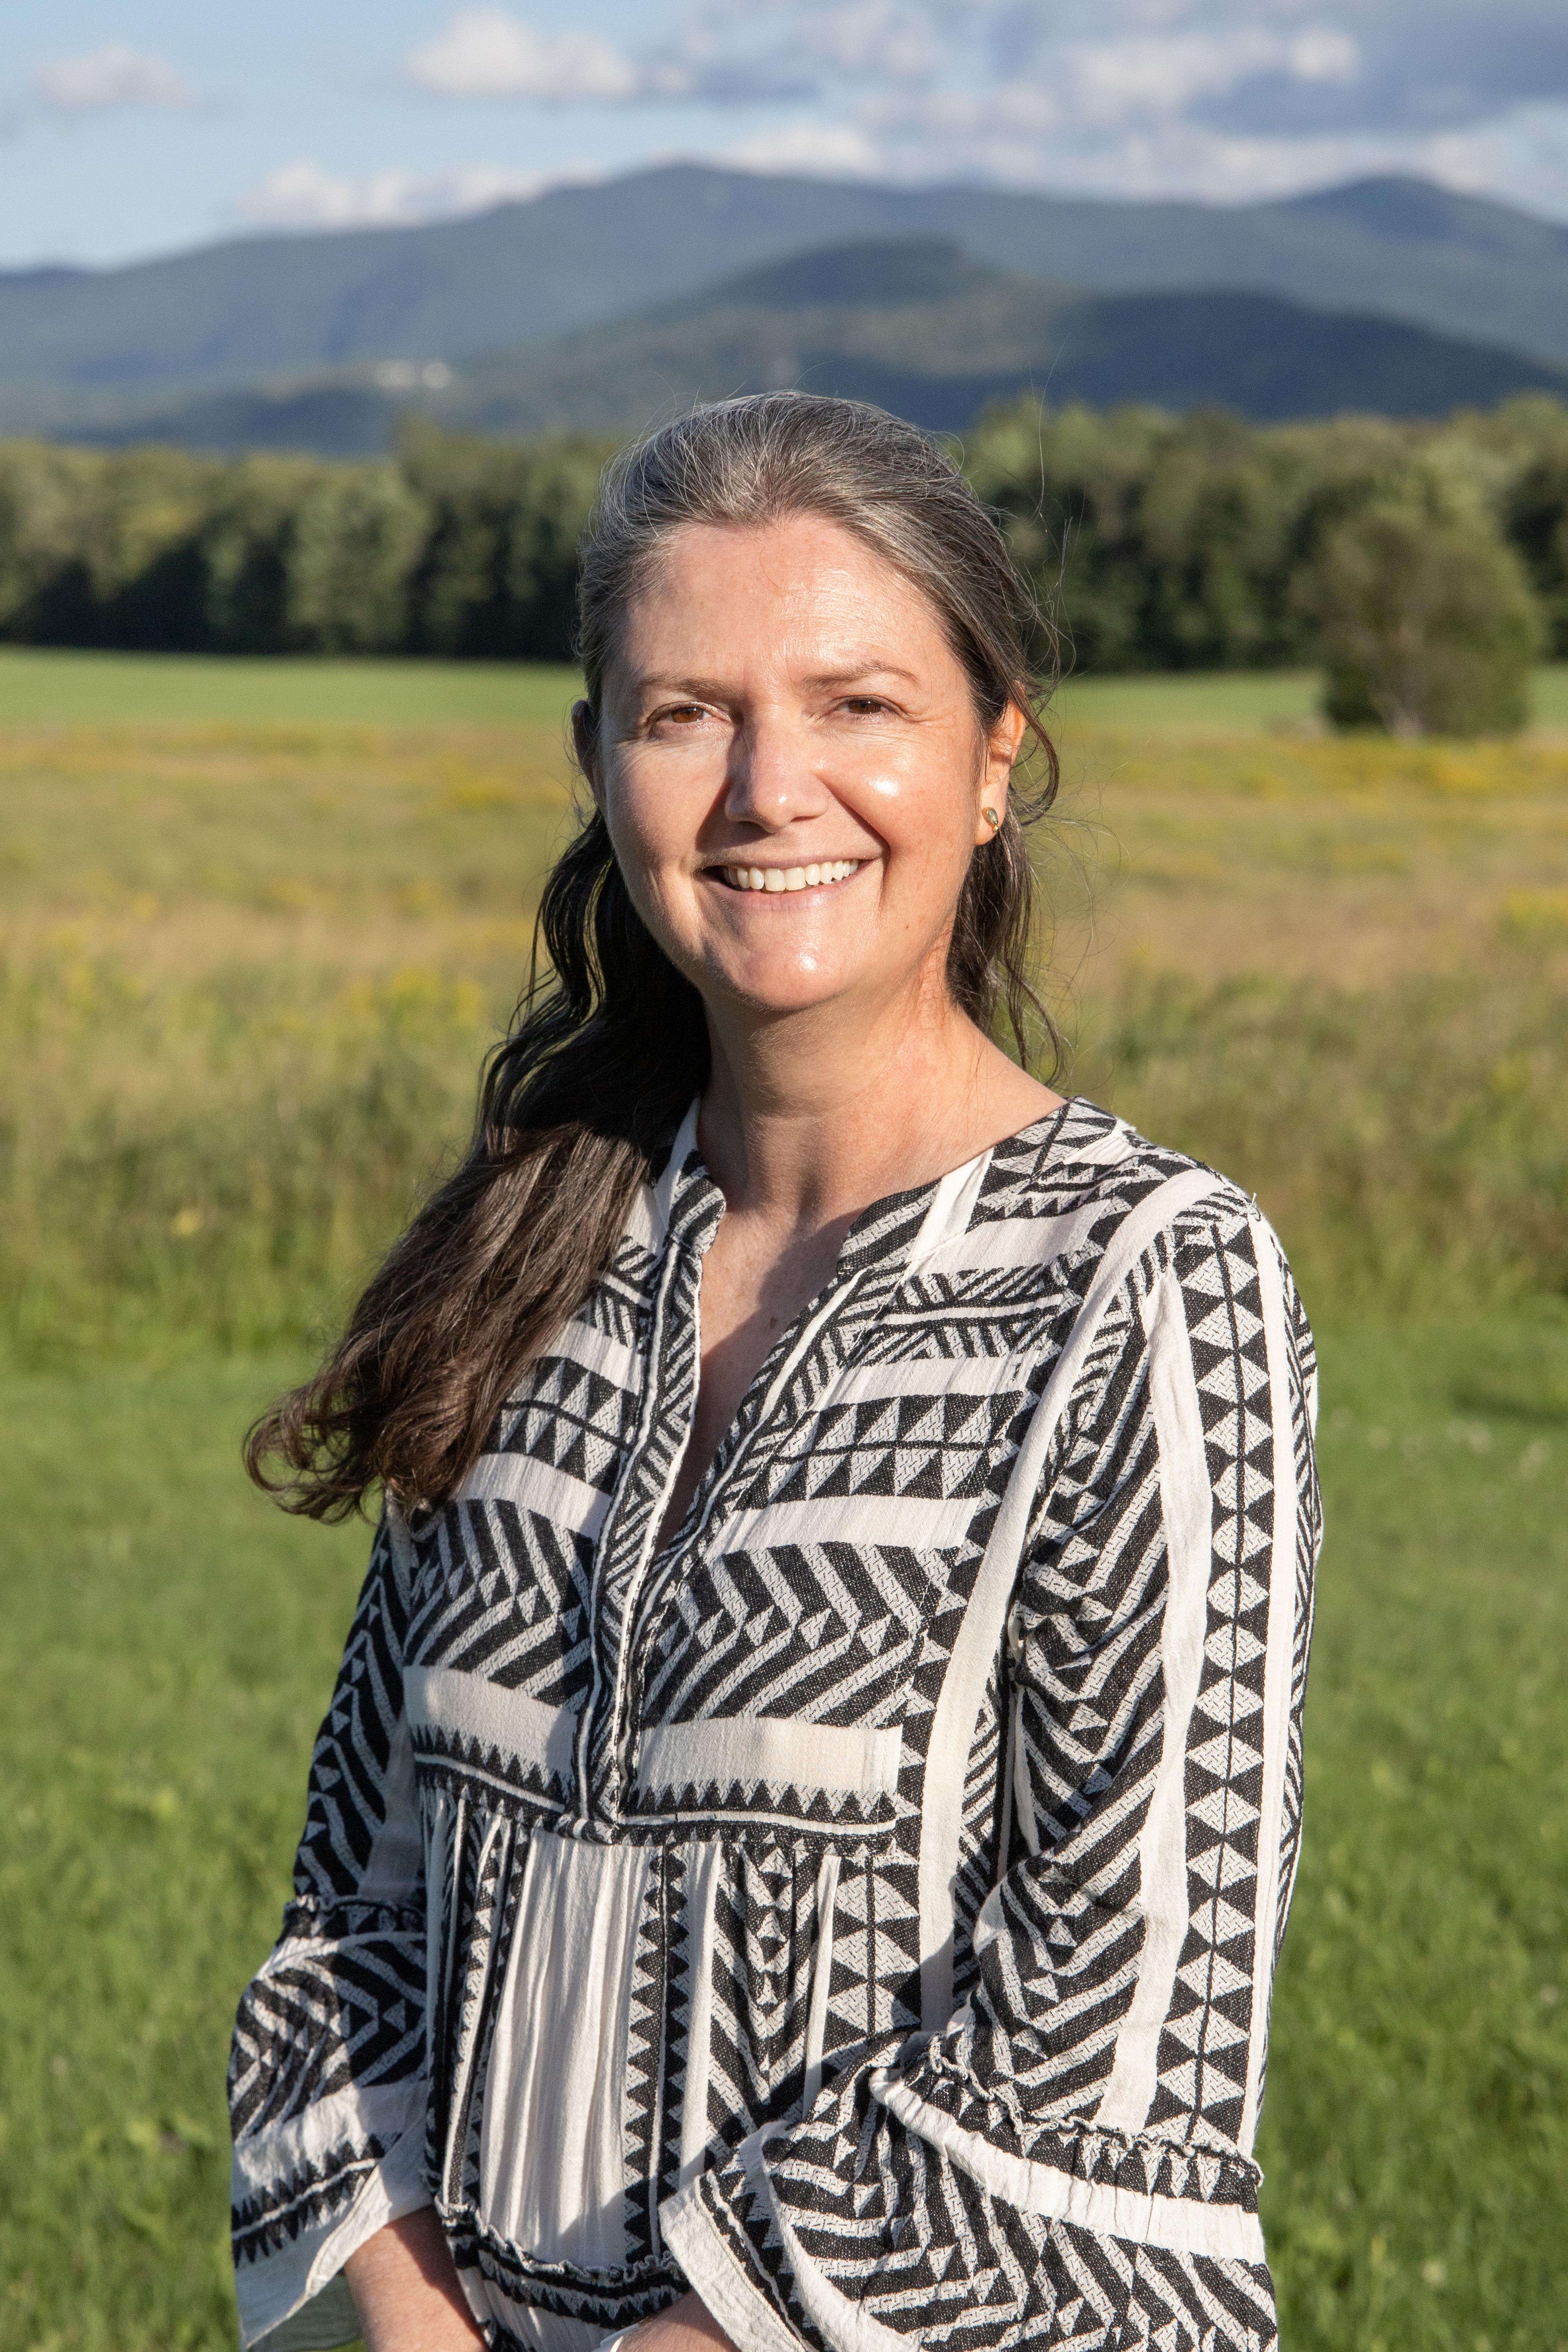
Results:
777 879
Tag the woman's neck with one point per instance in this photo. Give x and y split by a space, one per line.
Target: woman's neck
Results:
809 1118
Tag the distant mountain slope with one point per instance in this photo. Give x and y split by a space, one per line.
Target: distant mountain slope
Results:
75 343
913 324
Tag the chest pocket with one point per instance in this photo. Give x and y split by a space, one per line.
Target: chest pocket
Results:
775 1685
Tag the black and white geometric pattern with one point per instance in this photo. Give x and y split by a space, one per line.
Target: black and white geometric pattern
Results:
863 1909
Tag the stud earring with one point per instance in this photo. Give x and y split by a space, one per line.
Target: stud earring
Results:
992 819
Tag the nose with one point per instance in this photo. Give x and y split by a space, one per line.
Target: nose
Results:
771 781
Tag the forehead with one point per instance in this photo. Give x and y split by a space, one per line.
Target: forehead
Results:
804 585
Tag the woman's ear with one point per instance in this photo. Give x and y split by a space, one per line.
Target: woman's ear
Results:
586 746
1003 743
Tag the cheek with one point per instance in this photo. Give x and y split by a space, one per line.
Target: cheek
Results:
648 823
919 801
653 845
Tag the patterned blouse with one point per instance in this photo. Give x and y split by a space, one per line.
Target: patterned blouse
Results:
862 1909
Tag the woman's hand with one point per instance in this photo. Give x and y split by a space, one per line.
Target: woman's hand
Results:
686 2327
406 2290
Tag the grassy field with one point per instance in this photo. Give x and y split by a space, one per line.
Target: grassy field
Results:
177 1639
257 924
44 688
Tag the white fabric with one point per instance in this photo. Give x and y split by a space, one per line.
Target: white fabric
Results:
443 1698
328 2320
537 1486
1277 1678
395 2187
703 1887
821 1978
739 1748
1186 1509
558 2063
747 2318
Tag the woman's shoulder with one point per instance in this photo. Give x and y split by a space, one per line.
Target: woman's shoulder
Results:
1085 1203
1088 1165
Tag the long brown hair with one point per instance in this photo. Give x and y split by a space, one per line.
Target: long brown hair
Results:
609 1043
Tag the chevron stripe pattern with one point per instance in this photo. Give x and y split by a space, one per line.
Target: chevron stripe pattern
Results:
887 1711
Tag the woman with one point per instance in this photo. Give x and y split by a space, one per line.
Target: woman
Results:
800 1842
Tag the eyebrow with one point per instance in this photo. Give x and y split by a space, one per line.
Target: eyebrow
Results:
705 688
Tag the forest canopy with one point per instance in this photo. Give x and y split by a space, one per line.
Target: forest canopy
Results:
1153 541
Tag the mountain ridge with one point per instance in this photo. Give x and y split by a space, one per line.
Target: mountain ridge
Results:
74 344
913 324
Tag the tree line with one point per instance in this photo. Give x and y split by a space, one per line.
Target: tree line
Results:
456 546
1153 542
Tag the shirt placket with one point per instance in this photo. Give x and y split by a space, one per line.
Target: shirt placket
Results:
629 1536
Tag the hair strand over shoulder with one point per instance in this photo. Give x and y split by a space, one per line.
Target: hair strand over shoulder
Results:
609 1043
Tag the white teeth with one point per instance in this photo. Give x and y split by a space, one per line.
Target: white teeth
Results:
778 878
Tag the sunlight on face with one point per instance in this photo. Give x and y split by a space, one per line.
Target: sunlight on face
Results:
792 768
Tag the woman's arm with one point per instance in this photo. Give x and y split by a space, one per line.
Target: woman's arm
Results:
406 2290
327 2084
686 2327
1072 2155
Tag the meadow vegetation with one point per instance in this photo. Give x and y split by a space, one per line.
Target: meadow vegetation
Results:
258 924
248 973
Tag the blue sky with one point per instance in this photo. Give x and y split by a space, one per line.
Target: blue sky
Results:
132 129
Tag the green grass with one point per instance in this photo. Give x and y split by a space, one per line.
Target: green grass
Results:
1416 2135
1241 702
175 1637
42 687
176 1640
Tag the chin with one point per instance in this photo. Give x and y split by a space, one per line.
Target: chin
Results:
765 988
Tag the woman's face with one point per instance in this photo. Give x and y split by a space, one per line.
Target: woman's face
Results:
791 767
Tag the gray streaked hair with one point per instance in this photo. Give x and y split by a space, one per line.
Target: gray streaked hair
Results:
752 461
609 1042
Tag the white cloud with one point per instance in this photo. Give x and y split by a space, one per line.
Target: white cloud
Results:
1109 81
1224 99
101 79
305 195
1216 98
1521 157
1325 54
830 150
107 79
490 53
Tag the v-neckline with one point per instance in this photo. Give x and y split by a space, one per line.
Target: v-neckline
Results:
696 1205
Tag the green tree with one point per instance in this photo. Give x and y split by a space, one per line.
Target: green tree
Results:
45 495
248 550
1425 621
498 573
1534 506
1155 541
355 544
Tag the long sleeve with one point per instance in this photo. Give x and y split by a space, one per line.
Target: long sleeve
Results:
1070 2161
328 2077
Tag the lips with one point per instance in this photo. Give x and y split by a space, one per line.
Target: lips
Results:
779 878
